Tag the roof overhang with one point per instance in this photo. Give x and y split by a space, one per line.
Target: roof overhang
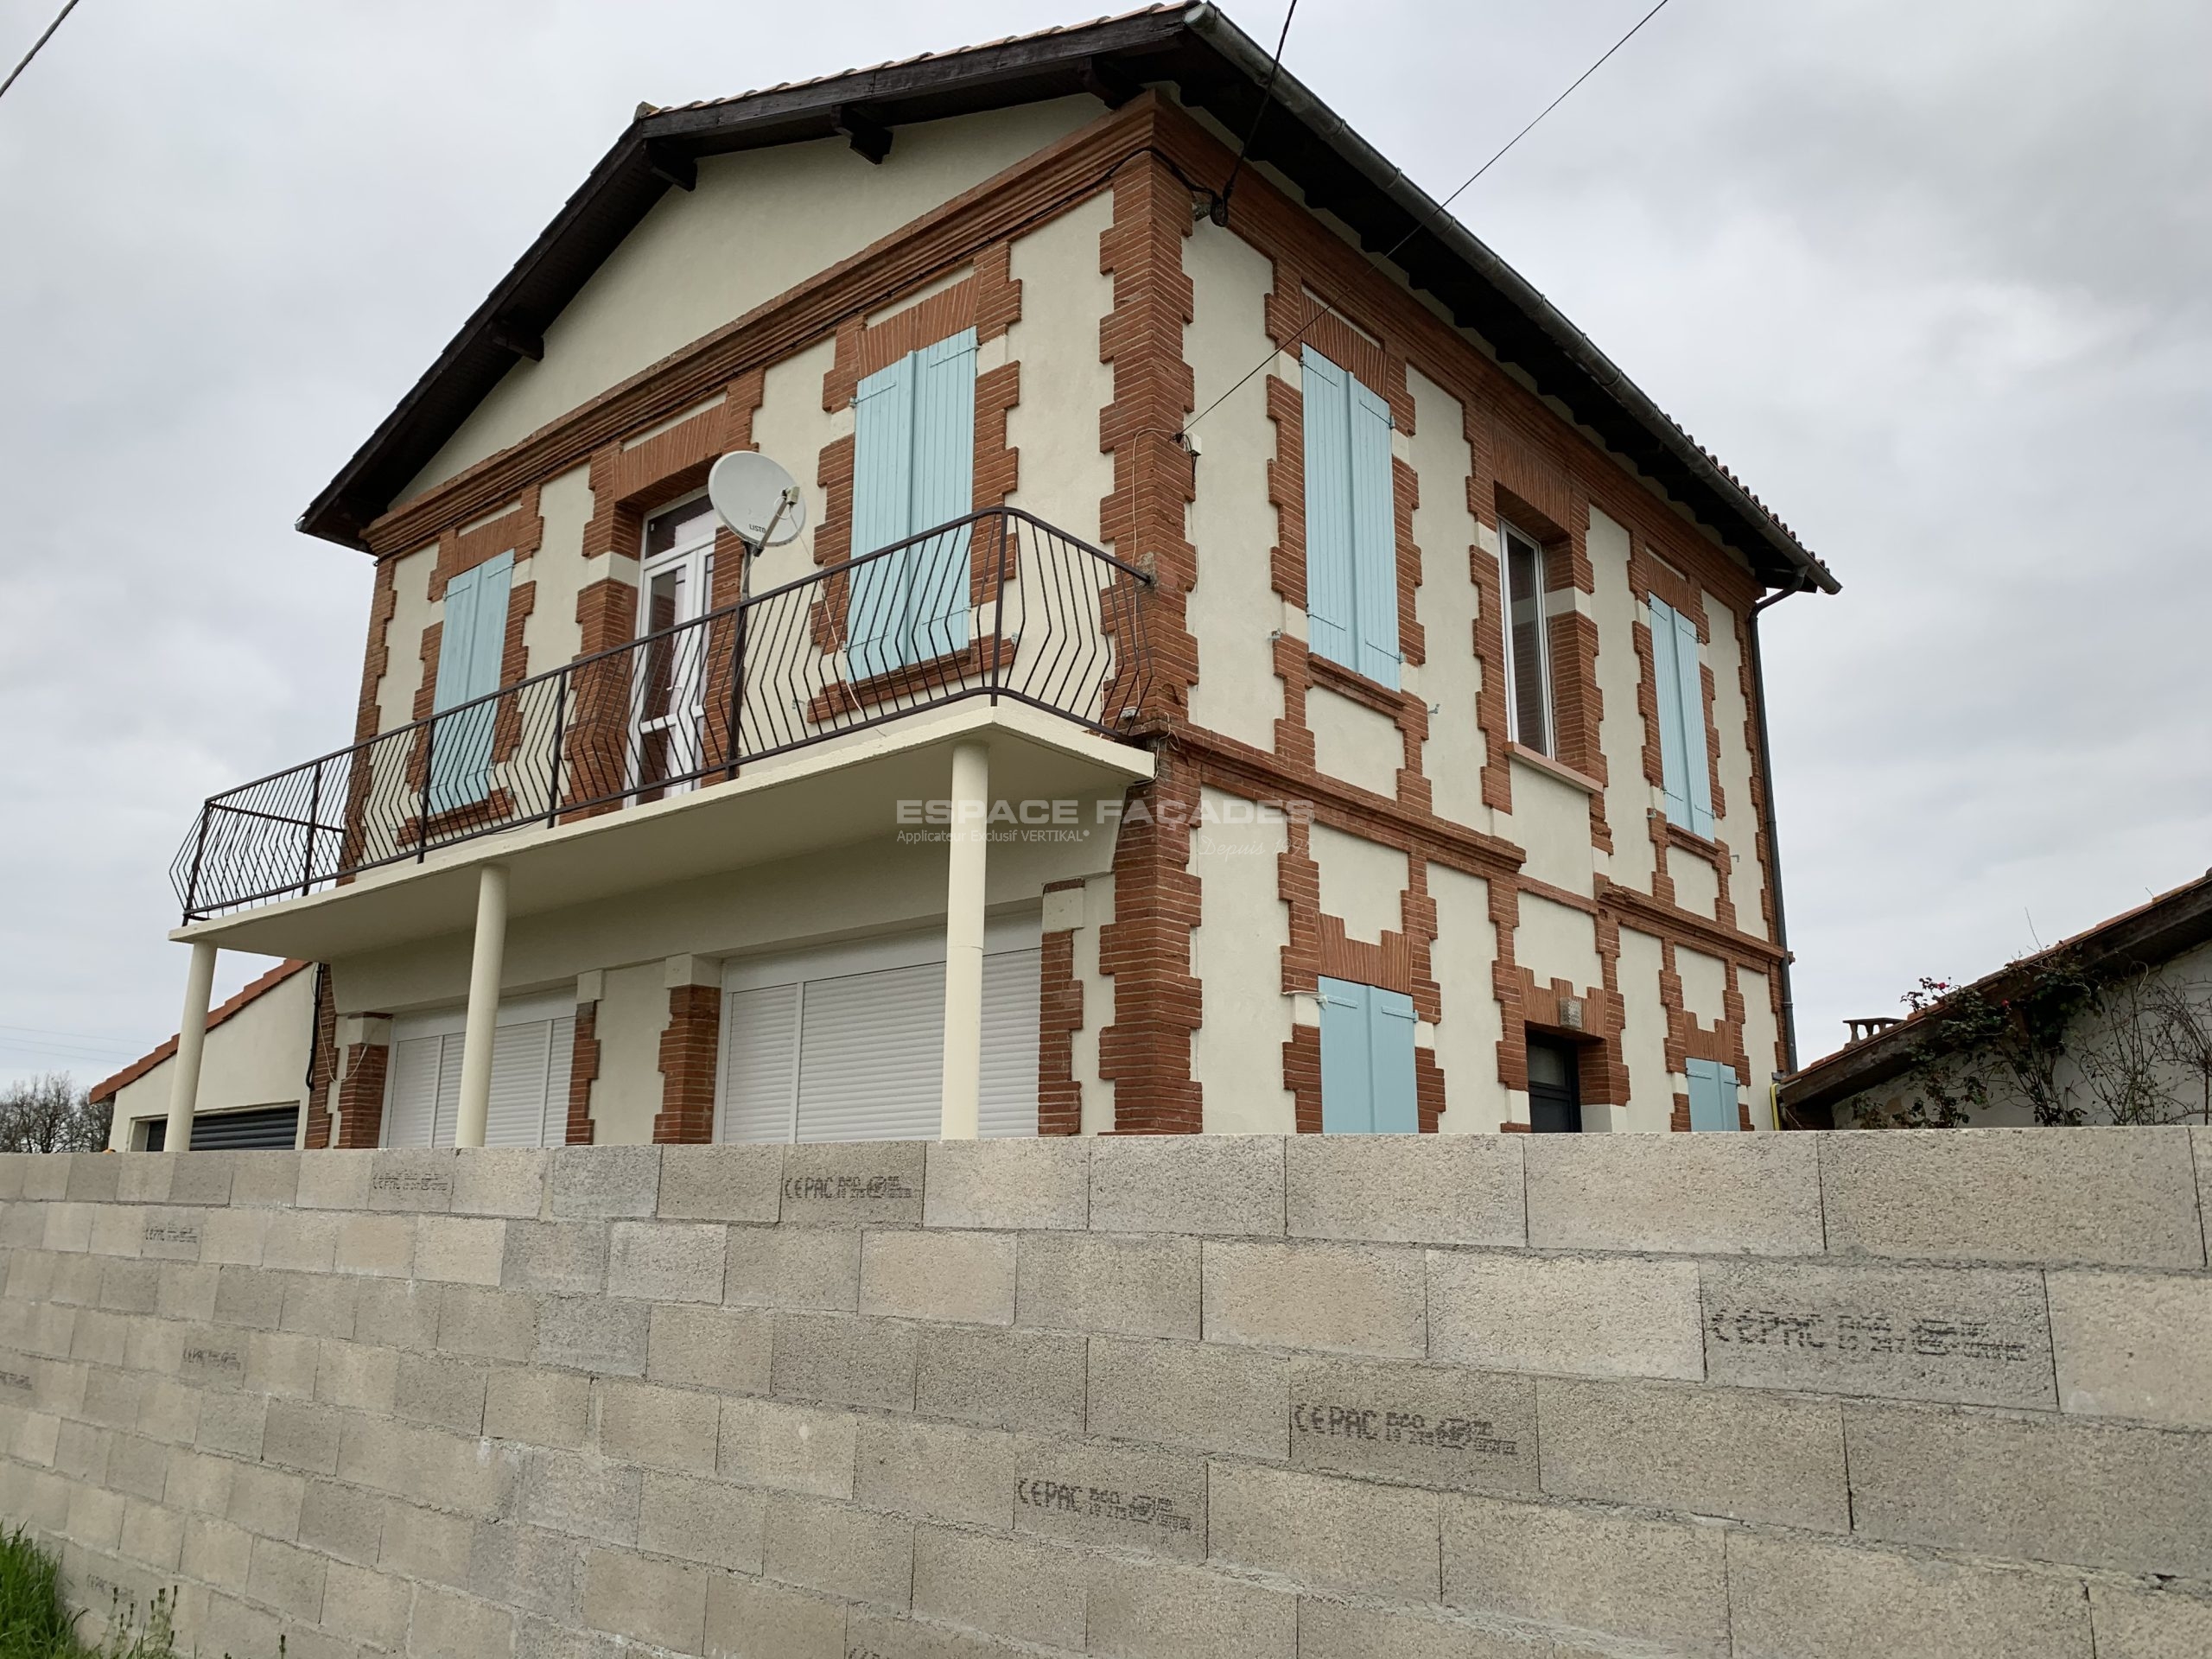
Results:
1214 66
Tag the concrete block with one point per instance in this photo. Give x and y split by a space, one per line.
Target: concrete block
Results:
301 1240
2105 1196
1729 1453
448 1625
724 1348
202 1178
369 1605
2134 1345
152 1537
248 1298
593 1333
231 1236
656 1427
1002 1379
318 1305
884 1635
1021 1181
537 1408
1324 1532
358 1378
501 1181
855 1184
1797 1599
69 1227
116 1231
528 1568
703 1521
400 1314
1140 1611
143 1178
790 1448
444 1393
599 1183
169 1412
138 1465
345 1521
935 1470
1663 1582
112 1398
1187 1184
1199 1396
1008 1586
80 1451
2158 1624
100 1339
2139 1500
46 1175
1595 1316
1335 1629
379 1246
722 1183
585 1496
748 1619
165 1235
1979 1336
416 1178
667 1261
848 1361
774 1267
1124 1497
459 1250
1424 1425
1361 1299
296 1434
232 1626
267 1179
335 1180
1434 1189
960 1278
568 1258
822 1545
1128 1285
91 1179
95 1518
198 1483
130 1287
1705 1194
266 1502
426 1544
279 1363
488 1324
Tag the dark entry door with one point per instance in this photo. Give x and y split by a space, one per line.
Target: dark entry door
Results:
1555 1088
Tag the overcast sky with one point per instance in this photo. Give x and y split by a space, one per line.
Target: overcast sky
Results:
1933 279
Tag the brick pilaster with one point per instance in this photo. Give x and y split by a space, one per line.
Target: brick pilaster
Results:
688 1049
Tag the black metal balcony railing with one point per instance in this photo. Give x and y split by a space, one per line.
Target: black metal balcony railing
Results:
998 604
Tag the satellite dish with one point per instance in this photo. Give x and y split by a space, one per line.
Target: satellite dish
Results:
756 498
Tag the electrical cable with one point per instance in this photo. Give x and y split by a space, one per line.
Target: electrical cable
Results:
1429 218
1267 93
35 45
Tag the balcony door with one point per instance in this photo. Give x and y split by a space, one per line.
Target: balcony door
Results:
675 585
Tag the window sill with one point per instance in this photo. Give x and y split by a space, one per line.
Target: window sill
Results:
1351 683
1559 769
1690 842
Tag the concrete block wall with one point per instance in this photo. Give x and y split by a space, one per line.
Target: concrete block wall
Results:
1316 1398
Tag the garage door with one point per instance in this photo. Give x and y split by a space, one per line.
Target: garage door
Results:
833 1048
531 1049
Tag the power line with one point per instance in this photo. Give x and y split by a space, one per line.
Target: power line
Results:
1427 218
1267 93
5 85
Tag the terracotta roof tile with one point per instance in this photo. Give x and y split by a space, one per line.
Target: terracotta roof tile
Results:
107 1088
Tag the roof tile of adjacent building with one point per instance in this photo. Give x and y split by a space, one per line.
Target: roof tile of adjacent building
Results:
1220 69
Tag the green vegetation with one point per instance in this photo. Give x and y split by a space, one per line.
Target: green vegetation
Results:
35 1621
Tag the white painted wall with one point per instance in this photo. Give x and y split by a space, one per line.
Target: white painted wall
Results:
1097 1005
258 1056
1628 796
1551 821
1697 885
1236 952
1447 602
760 223
1739 824
1762 1045
1363 882
631 1016
552 634
1354 743
1643 1035
1472 1026
1705 983
1555 941
1064 473
1233 607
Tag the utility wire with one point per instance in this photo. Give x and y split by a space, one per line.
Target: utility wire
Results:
1267 93
42 41
1427 218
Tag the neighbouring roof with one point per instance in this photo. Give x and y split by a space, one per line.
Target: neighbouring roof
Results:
1214 66
2153 932
108 1088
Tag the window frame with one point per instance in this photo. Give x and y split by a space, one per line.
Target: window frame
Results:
1507 533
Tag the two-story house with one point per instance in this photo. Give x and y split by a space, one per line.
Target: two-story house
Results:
1250 664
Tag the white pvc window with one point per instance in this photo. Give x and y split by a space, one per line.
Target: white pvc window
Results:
675 585
1528 644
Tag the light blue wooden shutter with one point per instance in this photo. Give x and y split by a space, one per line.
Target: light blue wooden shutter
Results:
1390 1062
1347 1078
883 470
1713 1096
943 484
1691 698
1329 585
1373 538
472 640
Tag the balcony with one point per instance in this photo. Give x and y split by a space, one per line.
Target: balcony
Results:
776 726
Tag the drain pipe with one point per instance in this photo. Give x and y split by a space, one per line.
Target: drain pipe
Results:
1767 823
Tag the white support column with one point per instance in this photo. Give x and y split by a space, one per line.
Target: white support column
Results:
191 1038
968 845
481 1031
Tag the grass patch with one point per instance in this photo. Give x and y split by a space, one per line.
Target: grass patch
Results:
35 1622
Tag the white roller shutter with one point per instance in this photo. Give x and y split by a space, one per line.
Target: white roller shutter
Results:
1011 981
760 1063
872 1056
554 1125
412 1091
532 1060
516 1116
